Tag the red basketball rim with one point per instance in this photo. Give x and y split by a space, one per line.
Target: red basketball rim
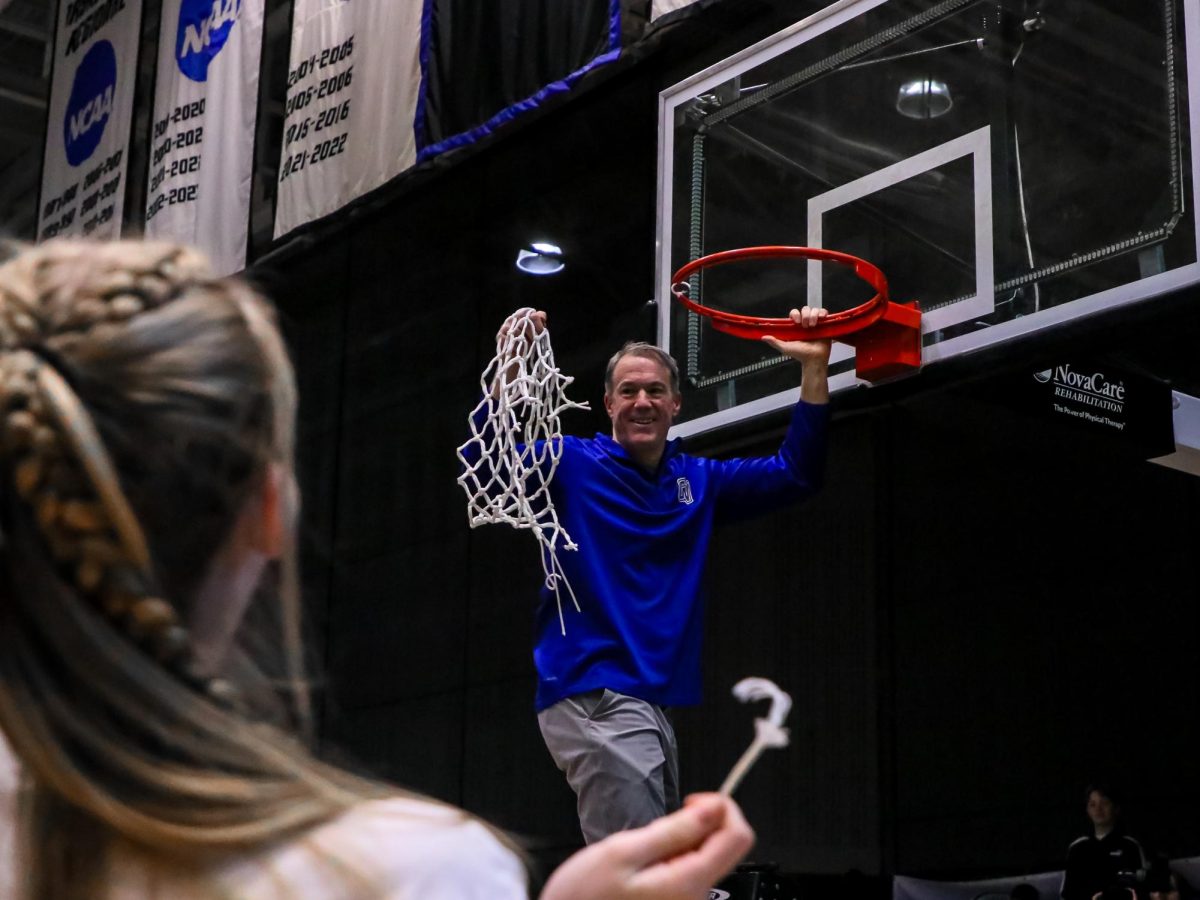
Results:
834 325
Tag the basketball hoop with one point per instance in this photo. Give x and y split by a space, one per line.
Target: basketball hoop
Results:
886 335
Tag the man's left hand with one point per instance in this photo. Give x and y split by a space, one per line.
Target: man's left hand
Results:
813 356
804 352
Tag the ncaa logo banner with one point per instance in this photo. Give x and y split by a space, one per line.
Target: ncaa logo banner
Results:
353 80
202 136
204 28
90 115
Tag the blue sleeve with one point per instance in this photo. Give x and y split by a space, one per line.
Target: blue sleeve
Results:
747 487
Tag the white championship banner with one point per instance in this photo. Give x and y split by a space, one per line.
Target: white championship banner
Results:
202 138
89 118
353 79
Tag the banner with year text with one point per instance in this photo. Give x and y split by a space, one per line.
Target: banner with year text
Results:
89 117
202 137
353 83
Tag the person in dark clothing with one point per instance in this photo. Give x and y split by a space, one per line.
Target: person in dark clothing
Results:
1097 861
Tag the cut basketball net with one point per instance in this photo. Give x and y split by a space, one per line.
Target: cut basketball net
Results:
768 732
516 443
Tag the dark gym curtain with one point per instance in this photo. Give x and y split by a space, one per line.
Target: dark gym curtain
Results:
483 64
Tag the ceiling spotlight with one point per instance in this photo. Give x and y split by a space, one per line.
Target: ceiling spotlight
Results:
540 258
923 98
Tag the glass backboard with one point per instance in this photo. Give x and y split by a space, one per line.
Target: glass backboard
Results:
1011 166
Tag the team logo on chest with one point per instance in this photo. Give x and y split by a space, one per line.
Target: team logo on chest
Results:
685 491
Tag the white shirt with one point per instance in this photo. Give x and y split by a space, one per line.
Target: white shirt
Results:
392 849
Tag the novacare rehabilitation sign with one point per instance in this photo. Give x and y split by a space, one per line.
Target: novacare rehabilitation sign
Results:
1128 409
90 114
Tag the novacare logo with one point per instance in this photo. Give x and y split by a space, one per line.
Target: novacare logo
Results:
90 103
204 27
1097 390
1096 383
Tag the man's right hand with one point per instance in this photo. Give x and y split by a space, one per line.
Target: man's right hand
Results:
532 321
537 321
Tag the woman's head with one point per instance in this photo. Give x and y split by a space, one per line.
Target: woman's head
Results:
144 405
145 441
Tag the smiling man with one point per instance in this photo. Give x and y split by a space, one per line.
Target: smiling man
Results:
642 399
642 512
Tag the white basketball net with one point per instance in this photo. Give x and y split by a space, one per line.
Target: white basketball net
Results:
516 442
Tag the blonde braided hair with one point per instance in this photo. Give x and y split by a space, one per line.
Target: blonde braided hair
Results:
141 400
60 466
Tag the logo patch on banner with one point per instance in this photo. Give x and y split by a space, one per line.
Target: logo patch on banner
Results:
204 27
90 103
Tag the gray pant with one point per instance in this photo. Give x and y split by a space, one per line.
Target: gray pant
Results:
619 756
